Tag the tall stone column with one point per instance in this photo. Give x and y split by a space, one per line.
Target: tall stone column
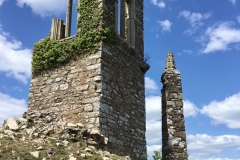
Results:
174 146
68 18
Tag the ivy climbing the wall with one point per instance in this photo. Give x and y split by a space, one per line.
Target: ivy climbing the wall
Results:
49 54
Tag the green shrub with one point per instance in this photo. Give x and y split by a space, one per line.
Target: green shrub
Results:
49 54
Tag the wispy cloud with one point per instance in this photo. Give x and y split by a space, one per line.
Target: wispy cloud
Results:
15 61
187 51
150 85
194 19
1 2
203 146
224 112
233 1
160 4
219 37
44 7
11 107
166 25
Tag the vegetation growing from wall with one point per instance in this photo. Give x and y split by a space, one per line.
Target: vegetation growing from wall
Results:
49 54
157 155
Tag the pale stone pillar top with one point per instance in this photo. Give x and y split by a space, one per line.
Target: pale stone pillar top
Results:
170 62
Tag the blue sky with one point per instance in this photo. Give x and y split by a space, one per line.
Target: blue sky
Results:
204 35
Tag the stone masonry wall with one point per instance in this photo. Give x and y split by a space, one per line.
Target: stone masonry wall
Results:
72 91
103 91
123 111
123 102
109 19
173 128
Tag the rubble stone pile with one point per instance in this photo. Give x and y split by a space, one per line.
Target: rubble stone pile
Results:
46 135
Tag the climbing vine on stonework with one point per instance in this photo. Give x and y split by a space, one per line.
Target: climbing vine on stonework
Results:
49 54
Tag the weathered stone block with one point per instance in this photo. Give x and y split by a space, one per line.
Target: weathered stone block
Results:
11 124
88 108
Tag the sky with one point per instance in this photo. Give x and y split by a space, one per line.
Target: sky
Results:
204 36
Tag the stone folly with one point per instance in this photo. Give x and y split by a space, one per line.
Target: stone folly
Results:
174 146
103 91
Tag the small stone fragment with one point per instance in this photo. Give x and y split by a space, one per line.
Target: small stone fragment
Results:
40 148
65 143
105 140
58 144
35 154
88 150
11 124
95 132
83 155
71 157
9 133
71 125
1 136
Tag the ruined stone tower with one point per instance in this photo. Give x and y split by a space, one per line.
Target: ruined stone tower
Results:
174 145
103 90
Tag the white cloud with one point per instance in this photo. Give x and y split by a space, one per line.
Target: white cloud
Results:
153 131
150 85
153 107
153 116
160 4
166 25
153 123
189 109
152 148
220 36
194 19
14 60
206 147
224 112
11 107
1 2
44 7
203 146
233 1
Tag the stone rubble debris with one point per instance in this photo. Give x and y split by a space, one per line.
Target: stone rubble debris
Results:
41 128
